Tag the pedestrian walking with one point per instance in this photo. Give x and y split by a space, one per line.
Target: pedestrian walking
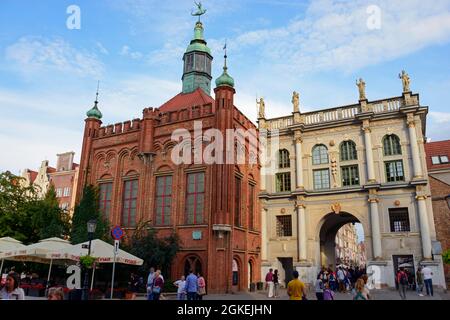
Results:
319 287
419 281
201 286
332 281
360 292
402 280
158 285
269 283
191 286
328 294
428 280
296 288
151 277
341 279
276 284
181 288
11 290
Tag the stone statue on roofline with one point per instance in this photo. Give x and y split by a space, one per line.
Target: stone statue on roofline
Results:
296 101
362 89
261 108
405 81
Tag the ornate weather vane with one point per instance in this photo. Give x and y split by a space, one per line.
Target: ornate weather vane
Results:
200 10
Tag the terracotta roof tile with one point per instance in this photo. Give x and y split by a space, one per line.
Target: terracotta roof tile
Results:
438 148
186 100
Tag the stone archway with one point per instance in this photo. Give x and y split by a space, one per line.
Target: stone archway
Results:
331 224
192 262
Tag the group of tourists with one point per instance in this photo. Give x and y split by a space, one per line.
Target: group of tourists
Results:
406 280
192 287
344 279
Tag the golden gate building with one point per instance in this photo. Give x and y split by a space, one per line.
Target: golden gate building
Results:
358 163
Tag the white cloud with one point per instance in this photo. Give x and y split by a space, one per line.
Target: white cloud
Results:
334 35
127 52
36 54
101 48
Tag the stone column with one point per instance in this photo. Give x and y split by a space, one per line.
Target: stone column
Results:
264 232
369 153
414 147
375 224
298 162
301 221
424 226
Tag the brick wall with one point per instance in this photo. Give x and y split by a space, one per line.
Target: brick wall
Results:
439 191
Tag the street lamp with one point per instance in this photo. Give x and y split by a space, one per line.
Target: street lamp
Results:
91 226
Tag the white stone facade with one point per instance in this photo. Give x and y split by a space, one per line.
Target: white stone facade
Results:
316 215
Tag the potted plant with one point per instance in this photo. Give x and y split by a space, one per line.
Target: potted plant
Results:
87 261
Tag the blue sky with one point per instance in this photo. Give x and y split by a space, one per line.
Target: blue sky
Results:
48 73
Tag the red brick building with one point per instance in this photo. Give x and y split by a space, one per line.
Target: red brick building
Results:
65 180
212 207
438 155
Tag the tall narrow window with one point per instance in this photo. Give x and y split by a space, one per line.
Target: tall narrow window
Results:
283 159
195 198
391 145
163 200
321 179
105 199
320 154
283 182
129 203
251 206
237 201
394 171
350 176
348 151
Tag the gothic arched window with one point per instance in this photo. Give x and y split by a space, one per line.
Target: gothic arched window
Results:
391 145
348 151
320 154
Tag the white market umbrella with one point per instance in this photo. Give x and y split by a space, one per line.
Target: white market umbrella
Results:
405 265
9 244
103 252
45 251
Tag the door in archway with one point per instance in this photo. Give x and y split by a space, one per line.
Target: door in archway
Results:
250 274
235 276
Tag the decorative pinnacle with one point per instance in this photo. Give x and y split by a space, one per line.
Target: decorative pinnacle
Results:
96 95
225 68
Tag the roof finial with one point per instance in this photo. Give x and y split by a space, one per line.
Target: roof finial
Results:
96 95
200 10
225 56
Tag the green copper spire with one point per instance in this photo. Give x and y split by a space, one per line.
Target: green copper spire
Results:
95 112
197 60
198 43
225 79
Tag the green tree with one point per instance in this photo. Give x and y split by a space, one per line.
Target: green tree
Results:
49 220
446 256
156 252
16 203
88 209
